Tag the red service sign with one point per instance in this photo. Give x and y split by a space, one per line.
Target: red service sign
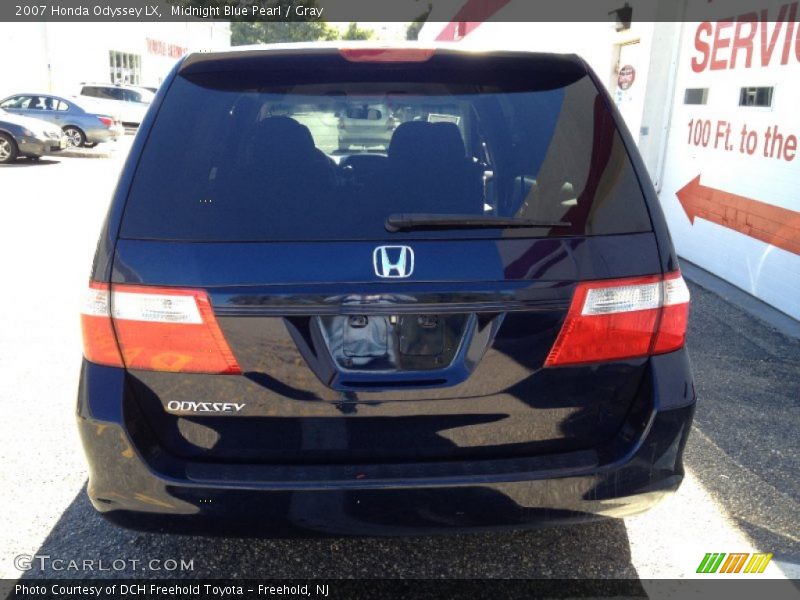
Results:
626 76
164 49
754 39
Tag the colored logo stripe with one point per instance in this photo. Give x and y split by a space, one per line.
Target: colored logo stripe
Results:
758 563
710 562
713 560
734 563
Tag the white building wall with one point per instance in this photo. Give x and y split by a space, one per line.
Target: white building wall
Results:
763 269
657 109
584 39
57 57
24 66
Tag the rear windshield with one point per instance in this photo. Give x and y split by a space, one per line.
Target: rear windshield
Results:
260 156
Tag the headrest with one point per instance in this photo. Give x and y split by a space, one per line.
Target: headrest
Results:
448 137
419 141
285 134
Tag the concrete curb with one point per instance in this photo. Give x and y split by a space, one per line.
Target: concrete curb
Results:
104 150
741 299
99 151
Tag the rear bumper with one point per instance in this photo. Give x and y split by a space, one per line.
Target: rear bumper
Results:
158 492
38 147
104 134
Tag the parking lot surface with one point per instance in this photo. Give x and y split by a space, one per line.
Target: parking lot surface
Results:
741 492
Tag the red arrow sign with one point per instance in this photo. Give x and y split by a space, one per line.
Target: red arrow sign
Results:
771 224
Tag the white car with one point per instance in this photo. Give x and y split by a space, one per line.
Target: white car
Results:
128 101
365 124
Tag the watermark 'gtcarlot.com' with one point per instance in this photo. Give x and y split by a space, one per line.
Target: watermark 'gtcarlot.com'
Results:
46 562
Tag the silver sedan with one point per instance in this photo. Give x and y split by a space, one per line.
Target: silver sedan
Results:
23 136
83 123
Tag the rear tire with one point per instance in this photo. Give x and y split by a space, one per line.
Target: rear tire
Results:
75 137
8 149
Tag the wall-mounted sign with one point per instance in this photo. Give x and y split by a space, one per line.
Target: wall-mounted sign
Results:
164 49
625 77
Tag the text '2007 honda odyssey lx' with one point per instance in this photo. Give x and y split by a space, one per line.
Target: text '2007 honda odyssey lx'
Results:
478 322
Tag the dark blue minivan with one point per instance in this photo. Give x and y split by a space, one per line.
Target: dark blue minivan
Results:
475 320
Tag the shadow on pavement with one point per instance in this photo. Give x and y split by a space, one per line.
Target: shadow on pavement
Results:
592 550
743 447
27 162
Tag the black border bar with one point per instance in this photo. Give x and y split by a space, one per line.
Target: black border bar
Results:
443 11
732 588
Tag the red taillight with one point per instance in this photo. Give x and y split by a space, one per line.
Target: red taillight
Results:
99 342
159 329
387 54
623 318
107 121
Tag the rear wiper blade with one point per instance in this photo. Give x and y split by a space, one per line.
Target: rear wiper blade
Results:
413 221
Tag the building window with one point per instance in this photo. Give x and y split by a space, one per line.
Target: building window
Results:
125 67
695 96
755 96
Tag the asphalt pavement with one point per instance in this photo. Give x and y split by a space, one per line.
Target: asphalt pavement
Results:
740 494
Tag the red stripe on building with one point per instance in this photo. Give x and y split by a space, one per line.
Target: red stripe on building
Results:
467 19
